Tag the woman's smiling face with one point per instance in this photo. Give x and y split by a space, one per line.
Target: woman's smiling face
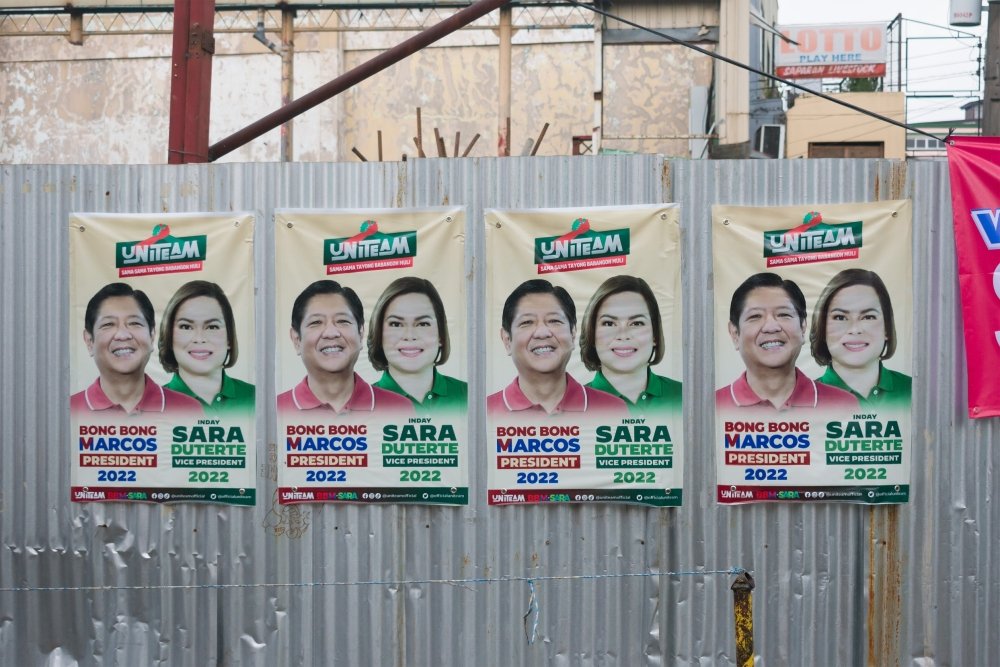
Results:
855 327
623 333
410 333
201 342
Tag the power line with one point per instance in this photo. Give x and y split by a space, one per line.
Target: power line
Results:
749 68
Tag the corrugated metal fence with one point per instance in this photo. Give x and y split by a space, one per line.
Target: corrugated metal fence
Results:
351 585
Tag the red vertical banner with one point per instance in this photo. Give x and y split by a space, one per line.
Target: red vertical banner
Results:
975 196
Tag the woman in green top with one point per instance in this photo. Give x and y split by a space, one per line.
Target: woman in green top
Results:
853 331
197 343
408 340
621 338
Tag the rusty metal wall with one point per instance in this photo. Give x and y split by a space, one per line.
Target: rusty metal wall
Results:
357 585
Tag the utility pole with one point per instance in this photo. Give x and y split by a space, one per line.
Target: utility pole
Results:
991 72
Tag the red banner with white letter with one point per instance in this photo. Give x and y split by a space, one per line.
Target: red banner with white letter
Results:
975 196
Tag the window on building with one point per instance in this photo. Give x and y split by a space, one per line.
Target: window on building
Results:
847 149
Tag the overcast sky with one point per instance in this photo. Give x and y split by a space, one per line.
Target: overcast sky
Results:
933 66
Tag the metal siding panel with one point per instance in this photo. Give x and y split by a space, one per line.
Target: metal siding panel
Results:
812 563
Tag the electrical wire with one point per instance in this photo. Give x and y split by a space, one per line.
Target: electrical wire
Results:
749 68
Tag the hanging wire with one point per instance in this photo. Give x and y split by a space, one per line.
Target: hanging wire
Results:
754 70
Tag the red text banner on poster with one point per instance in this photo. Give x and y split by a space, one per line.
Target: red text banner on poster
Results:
975 193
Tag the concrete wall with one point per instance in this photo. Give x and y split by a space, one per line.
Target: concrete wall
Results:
107 101
814 119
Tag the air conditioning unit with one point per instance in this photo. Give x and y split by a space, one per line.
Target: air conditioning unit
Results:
770 141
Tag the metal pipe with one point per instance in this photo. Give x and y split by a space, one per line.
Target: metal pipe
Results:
743 611
357 75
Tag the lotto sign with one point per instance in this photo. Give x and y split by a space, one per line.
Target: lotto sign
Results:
851 50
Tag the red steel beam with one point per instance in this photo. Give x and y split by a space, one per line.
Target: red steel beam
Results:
191 80
380 62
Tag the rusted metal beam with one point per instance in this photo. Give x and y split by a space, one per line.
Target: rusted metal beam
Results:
472 143
538 142
380 62
191 81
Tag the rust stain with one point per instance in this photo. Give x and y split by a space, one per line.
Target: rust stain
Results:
897 182
884 586
666 181
401 185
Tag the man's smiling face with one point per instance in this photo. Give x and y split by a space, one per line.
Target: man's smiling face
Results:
770 333
329 339
540 340
121 341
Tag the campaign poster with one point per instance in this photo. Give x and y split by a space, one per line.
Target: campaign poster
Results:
371 356
975 195
161 343
584 355
813 352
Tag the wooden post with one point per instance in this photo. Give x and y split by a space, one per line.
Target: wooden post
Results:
287 77
541 135
439 142
503 85
419 139
472 143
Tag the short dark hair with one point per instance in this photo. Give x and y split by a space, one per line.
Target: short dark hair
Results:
611 286
319 288
399 287
766 279
187 291
848 278
537 286
118 289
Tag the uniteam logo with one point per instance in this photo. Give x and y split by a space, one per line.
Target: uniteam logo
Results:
812 241
369 250
160 253
293 495
582 248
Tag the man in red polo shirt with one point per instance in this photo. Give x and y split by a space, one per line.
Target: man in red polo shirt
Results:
118 332
327 330
538 330
767 324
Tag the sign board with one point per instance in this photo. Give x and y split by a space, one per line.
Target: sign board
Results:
848 50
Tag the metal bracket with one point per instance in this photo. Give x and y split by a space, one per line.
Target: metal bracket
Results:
200 40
